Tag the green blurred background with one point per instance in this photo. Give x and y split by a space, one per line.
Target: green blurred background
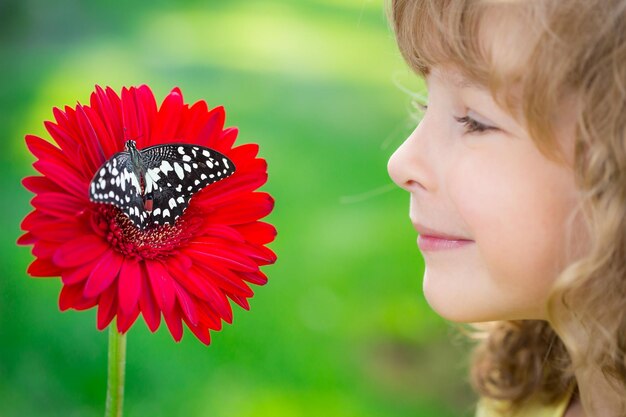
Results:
342 328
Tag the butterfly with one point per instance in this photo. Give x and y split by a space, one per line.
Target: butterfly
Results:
153 186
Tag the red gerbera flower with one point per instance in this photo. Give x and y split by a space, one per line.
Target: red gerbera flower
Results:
186 271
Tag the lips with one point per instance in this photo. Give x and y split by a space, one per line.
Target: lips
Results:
431 239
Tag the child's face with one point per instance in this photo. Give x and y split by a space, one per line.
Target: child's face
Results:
494 188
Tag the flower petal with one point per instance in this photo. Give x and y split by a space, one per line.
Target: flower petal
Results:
201 332
257 232
71 296
63 138
148 306
162 286
27 239
129 285
38 185
230 189
58 205
174 324
257 278
187 304
220 256
103 275
168 118
80 251
245 210
107 307
125 321
43 268
71 276
212 130
90 145
228 138
107 105
240 300
227 281
60 230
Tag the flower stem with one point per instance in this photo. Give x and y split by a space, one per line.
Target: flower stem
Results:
117 365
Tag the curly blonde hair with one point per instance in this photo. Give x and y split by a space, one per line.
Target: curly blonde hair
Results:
555 52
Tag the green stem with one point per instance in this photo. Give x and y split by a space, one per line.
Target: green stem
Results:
117 365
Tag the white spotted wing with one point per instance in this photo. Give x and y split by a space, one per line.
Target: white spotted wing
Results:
156 189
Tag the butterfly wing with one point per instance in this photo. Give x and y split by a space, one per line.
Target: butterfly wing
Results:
175 172
115 183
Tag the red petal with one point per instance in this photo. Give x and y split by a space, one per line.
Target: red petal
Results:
107 307
45 249
222 231
34 218
90 144
220 256
230 189
62 137
43 268
257 253
162 286
130 114
147 109
228 138
129 285
60 230
228 281
64 178
187 304
168 118
212 130
58 205
71 296
149 307
193 121
101 130
27 239
209 318
38 185
174 324
247 209
104 273
45 151
200 331
257 232
80 251
216 299
125 321
75 275
244 152
107 105
257 278
241 301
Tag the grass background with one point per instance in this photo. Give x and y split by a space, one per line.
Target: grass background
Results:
342 328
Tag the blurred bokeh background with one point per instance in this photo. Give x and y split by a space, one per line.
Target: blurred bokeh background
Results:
342 328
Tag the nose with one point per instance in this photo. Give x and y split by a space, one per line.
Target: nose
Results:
408 167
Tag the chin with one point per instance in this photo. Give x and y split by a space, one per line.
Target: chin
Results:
460 306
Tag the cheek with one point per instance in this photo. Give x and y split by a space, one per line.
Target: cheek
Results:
510 210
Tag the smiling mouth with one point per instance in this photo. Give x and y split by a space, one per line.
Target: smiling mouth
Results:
433 243
431 239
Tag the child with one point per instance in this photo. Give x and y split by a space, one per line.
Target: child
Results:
517 181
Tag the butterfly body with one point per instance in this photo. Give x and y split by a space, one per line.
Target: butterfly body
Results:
153 186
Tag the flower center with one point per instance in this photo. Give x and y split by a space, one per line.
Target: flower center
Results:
151 243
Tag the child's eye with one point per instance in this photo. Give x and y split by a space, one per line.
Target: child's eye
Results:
472 125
